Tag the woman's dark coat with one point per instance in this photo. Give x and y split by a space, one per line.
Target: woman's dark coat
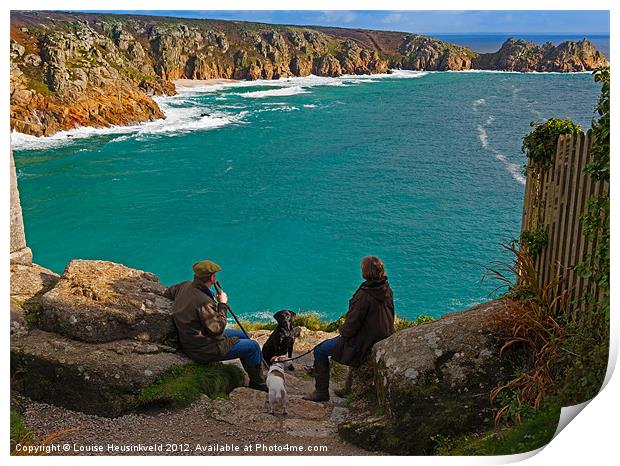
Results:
369 320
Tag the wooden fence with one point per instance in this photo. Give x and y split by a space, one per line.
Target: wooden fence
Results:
556 200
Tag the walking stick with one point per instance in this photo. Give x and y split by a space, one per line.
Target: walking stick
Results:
218 288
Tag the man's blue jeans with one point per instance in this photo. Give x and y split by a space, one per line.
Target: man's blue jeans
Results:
245 349
324 350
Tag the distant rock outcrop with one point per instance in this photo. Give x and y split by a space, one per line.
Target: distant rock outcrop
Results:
81 69
428 380
426 53
524 55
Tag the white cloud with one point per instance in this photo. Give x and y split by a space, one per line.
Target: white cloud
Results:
339 16
392 18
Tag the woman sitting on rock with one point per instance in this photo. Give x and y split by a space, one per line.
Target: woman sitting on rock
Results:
370 319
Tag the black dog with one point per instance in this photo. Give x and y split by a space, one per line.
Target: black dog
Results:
282 339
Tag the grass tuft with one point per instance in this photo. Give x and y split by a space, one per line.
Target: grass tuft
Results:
28 440
312 321
181 385
534 432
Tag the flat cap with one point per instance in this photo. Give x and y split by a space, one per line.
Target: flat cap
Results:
205 268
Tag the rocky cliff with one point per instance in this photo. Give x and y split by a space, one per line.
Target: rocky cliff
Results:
431 380
70 69
523 55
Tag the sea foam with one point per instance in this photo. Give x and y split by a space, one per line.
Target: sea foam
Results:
281 92
513 168
183 114
177 120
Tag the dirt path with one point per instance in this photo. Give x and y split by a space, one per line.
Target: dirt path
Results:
234 426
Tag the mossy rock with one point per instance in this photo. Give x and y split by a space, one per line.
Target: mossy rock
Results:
180 385
113 378
427 381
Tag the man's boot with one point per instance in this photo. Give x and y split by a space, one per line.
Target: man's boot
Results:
344 391
321 382
257 380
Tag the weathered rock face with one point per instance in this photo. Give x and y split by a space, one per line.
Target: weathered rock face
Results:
426 53
29 281
98 301
20 252
428 380
68 77
524 55
103 379
72 69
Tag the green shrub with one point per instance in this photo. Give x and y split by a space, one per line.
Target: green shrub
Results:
312 321
540 144
534 241
401 323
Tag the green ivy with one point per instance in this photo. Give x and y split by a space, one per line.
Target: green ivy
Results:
599 153
534 241
541 143
596 219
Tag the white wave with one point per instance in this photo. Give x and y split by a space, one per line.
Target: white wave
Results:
281 92
121 138
478 103
402 74
490 120
310 106
483 136
302 81
283 108
177 120
512 168
512 72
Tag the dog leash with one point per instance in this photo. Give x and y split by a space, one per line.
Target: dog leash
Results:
218 288
302 354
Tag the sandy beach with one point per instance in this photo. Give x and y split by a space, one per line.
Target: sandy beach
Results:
201 82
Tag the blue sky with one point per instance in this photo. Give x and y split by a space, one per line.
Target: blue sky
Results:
523 22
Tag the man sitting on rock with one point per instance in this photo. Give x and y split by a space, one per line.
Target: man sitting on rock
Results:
200 317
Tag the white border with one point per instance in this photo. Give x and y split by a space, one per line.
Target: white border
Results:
590 439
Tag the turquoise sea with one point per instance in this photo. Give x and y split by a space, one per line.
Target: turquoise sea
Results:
287 184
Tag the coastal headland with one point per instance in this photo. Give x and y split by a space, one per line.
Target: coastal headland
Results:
81 69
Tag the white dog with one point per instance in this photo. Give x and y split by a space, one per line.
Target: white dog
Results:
276 396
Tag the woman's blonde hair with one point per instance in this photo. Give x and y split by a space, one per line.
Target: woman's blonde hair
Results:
372 268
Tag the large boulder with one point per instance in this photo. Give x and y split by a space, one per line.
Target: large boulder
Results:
29 281
103 379
99 301
428 381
